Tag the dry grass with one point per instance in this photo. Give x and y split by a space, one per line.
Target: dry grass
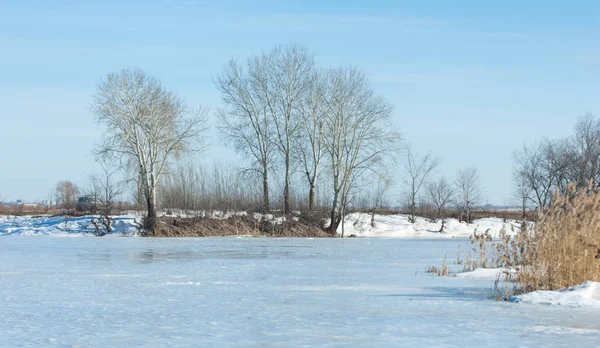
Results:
235 226
565 248
442 271
562 251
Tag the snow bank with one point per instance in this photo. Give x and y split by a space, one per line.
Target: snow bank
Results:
584 295
125 225
487 273
398 226
213 214
276 220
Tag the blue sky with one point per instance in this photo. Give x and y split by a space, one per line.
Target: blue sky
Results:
470 80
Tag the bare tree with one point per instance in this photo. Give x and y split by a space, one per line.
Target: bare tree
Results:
66 194
383 183
469 191
283 86
245 120
549 165
105 191
542 166
584 152
418 169
146 127
360 135
440 194
311 141
522 192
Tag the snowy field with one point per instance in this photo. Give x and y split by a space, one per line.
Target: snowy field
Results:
261 292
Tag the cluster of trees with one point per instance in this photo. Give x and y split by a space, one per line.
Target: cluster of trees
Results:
323 137
545 167
464 193
285 114
279 110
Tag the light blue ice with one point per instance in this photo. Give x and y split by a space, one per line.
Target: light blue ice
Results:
258 292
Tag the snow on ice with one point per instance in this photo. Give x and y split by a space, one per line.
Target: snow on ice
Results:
584 295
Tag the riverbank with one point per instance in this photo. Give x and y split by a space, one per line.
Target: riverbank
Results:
256 225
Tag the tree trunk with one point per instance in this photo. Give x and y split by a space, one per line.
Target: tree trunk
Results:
412 209
286 188
311 198
333 224
266 207
150 222
373 217
468 214
341 217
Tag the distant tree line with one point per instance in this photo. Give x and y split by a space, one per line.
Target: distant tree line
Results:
545 167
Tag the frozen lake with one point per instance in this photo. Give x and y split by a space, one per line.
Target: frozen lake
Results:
123 292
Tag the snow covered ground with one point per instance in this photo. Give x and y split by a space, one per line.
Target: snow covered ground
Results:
398 226
125 225
584 295
262 292
486 273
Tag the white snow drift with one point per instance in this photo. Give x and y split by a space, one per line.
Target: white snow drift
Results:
584 295
398 226
126 225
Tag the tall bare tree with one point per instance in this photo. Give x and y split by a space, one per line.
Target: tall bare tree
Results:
311 139
66 194
359 134
417 169
283 86
440 194
146 127
245 119
468 190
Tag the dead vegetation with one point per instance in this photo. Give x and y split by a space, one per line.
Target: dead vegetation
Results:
442 271
237 226
564 250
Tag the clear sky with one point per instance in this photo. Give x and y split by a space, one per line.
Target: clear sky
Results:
470 80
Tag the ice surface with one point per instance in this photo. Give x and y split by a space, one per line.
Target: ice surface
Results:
260 292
